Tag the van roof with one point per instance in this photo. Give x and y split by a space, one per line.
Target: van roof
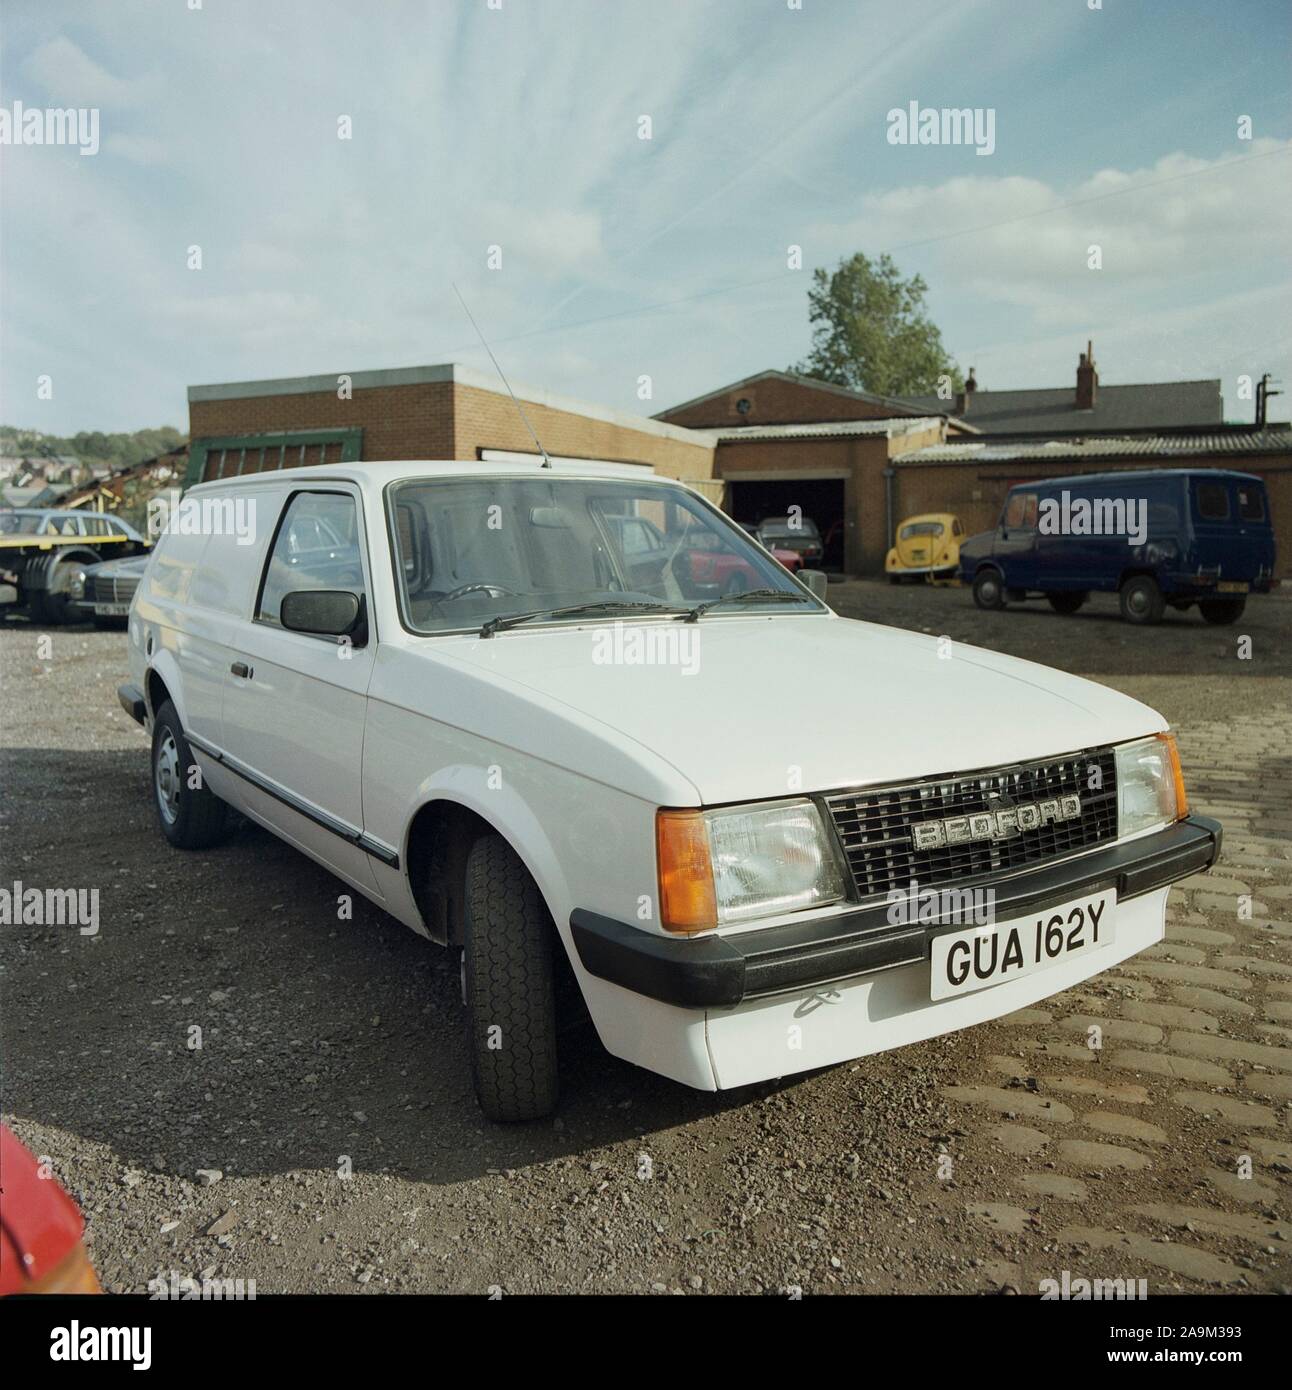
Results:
376 475
1135 475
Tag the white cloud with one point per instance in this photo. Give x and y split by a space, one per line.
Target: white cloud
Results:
70 77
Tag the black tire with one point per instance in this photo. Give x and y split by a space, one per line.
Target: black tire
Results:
44 609
1141 600
120 624
1220 612
1066 603
190 817
988 589
509 985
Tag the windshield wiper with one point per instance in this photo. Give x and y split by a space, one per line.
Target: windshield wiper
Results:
502 622
762 595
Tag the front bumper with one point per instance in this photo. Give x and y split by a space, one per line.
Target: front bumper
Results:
722 971
132 701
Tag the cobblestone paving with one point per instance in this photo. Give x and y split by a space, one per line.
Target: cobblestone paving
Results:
1173 1072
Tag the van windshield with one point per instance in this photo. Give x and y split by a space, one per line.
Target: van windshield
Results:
470 549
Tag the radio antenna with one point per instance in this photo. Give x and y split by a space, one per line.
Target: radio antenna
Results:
547 462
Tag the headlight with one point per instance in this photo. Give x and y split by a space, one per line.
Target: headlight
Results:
717 867
1150 786
76 585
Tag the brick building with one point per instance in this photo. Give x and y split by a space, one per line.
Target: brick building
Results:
855 462
439 412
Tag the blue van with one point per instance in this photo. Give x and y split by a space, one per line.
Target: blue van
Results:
1159 538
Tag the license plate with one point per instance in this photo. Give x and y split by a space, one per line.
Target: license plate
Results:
964 961
1232 586
111 610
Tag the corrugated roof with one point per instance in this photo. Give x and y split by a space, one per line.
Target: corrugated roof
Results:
1154 405
1276 439
903 424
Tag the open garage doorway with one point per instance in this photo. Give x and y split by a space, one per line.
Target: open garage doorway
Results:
822 500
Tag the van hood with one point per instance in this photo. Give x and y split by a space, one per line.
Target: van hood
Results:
783 704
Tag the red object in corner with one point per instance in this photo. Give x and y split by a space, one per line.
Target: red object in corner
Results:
40 1226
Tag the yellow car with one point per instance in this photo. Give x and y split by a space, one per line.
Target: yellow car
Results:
928 547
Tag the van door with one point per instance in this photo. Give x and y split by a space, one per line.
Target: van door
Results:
1233 540
1015 544
294 703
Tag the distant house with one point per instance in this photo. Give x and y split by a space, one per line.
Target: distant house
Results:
1086 408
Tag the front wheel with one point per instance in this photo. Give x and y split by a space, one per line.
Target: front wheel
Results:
1141 600
508 983
189 812
988 591
1066 603
1222 611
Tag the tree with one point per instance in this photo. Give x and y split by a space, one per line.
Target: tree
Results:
870 331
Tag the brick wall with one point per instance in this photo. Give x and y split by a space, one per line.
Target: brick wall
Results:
487 420
776 402
398 422
443 420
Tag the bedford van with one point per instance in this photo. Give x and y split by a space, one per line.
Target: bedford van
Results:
478 696
1163 538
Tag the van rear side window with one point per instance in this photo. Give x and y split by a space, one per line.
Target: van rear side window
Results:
1251 503
1213 501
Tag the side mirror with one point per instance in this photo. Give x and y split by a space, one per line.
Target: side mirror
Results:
816 581
322 612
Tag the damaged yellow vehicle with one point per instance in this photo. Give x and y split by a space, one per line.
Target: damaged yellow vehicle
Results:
928 547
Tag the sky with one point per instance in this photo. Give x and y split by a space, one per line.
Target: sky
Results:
517 124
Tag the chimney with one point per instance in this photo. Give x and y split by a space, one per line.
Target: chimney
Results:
1087 379
962 397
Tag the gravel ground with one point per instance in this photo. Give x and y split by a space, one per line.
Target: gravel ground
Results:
979 1162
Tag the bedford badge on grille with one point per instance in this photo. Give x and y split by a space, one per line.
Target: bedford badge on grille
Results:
1000 822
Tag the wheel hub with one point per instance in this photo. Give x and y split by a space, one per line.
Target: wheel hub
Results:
167 776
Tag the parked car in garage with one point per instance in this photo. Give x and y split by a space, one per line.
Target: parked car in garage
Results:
531 740
43 549
928 548
1167 538
103 592
791 559
798 534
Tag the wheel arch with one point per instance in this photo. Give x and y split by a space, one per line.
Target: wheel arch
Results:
439 836
162 683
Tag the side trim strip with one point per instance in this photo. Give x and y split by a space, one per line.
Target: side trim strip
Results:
350 834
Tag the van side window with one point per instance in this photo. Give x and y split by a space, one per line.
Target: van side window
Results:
1251 503
316 547
1020 511
1213 501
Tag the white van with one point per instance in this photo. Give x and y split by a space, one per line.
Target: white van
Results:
509 704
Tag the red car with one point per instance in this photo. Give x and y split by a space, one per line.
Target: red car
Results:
41 1250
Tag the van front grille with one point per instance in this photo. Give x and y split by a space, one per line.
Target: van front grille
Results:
875 824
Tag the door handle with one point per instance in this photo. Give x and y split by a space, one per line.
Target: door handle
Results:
240 668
